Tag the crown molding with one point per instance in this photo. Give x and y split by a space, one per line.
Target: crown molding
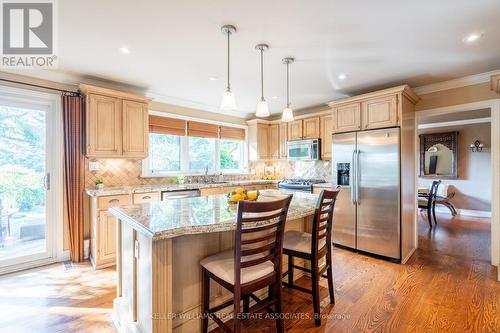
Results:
469 80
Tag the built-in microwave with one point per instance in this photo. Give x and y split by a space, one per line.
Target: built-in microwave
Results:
304 149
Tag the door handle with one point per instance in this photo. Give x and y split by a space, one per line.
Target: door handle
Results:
46 181
353 180
358 177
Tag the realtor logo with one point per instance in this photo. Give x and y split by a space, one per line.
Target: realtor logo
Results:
28 34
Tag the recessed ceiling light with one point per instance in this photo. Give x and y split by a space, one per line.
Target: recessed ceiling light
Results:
275 97
124 50
472 37
212 78
342 76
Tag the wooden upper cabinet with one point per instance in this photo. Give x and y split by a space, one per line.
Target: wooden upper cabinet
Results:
380 112
326 130
310 128
295 130
378 109
283 138
135 129
116 123
104 130
347 117
263 140
274 141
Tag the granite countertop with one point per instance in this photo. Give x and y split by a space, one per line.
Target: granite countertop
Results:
324 185
171 187
172 218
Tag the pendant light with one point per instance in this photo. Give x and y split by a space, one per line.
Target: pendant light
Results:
262 107
287 111
228 103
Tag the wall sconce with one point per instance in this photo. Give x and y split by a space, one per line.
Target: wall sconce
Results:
476 146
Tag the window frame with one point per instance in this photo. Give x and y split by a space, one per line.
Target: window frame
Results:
184 142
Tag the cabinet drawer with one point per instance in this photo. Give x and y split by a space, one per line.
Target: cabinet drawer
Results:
146 197
113 200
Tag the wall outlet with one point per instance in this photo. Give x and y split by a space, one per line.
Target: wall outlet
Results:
94 166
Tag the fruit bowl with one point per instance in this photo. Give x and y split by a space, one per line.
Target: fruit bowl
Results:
241 194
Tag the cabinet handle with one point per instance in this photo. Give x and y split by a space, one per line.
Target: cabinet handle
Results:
146 197
113 200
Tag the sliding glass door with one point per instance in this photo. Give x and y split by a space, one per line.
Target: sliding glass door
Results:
28 150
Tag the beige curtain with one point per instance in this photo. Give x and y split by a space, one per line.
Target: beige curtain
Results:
73 117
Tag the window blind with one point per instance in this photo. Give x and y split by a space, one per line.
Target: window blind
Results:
202 130
232 133
163 125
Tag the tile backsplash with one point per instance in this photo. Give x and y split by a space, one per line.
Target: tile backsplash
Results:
294 169
123 172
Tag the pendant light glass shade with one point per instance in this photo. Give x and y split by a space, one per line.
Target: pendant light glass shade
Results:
287 115
262 109
228 102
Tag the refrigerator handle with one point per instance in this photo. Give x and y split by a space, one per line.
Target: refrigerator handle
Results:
353 180
358 152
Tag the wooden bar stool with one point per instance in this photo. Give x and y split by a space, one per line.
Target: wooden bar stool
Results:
255 263
313 247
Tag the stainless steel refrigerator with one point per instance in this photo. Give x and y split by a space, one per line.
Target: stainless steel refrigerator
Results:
367 213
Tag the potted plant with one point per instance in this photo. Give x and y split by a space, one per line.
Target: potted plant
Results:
181 179
99 183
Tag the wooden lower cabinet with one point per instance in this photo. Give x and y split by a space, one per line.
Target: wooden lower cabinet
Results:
103 225
106 242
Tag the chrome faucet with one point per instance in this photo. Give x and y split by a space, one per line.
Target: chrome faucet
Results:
206 174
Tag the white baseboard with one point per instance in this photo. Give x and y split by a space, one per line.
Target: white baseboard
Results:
465 212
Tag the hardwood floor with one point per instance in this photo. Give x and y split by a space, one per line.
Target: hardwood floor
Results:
448 286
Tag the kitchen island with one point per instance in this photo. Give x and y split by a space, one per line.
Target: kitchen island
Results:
159 247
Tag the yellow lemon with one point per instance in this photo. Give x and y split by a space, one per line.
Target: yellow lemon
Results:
252 195
234 198
239 190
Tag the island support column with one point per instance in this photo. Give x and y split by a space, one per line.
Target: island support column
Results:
144 282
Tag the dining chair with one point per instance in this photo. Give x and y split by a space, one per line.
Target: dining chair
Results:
313 247
254 263
428 202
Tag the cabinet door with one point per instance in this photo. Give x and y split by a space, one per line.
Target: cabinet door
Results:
135 129
104 127
347 117
263 140
380 112
283 133
310 128
295 130
274 143
107 236
326 137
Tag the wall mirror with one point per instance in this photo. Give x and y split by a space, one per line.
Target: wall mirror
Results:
438 155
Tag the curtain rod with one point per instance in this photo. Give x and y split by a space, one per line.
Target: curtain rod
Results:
43 87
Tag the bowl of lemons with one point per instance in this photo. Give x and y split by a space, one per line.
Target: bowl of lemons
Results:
241 194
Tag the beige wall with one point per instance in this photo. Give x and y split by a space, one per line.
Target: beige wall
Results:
473 186
463 95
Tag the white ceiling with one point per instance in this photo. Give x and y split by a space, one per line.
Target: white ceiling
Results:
177 45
